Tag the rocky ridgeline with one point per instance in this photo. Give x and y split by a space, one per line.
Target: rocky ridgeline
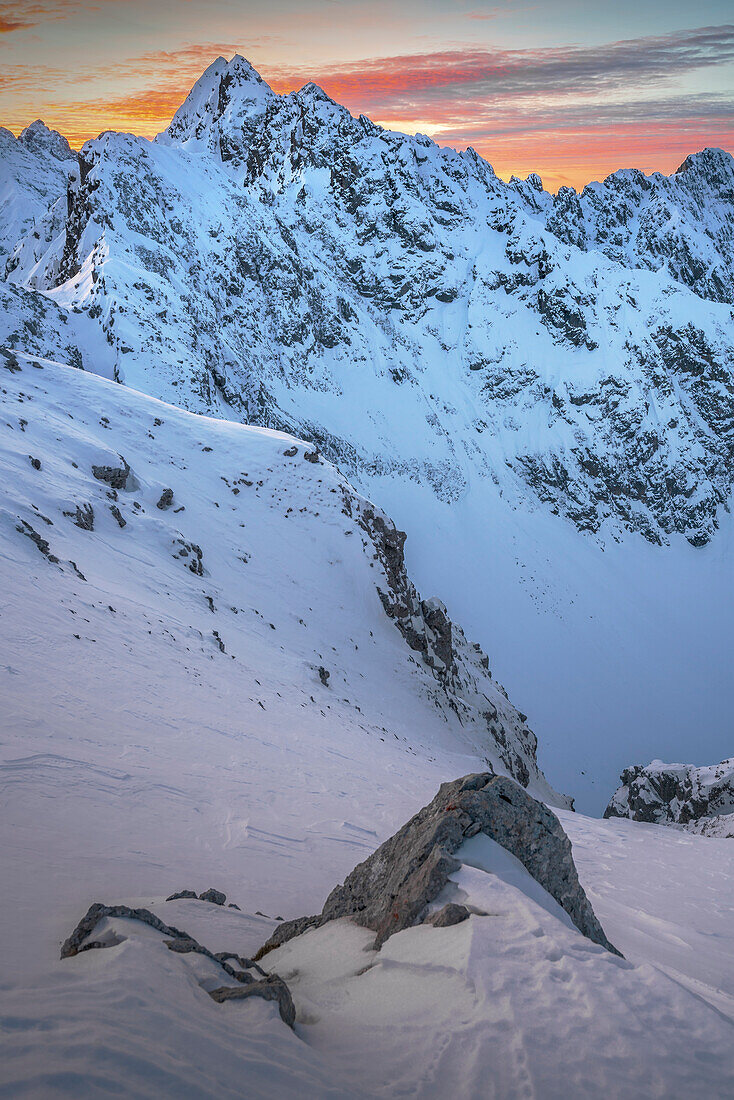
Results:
698 799
682 225
329 248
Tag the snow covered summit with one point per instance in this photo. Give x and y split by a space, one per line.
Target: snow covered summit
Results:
287 260
221 110
34 168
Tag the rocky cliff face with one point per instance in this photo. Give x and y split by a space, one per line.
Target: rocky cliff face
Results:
698 799
462 669
275 260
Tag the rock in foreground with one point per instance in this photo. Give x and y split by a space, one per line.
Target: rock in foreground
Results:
392 889
698 799
269 987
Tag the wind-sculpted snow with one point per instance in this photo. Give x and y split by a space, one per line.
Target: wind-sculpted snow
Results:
698 799
275 260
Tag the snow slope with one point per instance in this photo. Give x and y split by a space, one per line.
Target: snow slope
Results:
166 725
549 418
214 666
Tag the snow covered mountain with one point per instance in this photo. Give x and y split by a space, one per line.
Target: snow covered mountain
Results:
698 799
271 248
35 169
217 672
496 371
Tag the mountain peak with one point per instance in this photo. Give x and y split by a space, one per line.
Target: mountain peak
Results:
44 142
710 162
315 91
219 107
316 101
245 68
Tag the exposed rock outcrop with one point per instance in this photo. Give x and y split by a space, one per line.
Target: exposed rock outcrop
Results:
114 476
216 897
462 669
392 889
698 799
271 988
268 986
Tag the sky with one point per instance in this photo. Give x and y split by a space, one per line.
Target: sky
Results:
571 90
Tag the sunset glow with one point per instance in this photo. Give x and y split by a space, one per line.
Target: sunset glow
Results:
531 86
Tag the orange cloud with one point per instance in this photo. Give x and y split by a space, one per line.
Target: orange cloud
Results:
146 108
25 15
9 25
566 113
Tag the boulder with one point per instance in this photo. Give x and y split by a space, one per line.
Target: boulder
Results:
392 889
450 914
216 897
114 476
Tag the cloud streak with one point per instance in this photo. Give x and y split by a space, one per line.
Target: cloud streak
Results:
476 74
23 15
520 108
